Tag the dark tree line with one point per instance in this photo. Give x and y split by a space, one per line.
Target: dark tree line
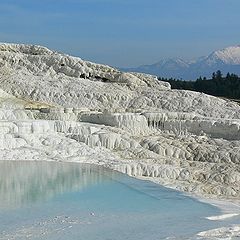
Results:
218 85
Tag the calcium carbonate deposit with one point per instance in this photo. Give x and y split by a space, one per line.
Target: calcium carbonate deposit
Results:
57 107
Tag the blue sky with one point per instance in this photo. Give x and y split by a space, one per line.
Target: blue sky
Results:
123 32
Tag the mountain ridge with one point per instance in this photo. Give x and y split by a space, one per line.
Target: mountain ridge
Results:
226 60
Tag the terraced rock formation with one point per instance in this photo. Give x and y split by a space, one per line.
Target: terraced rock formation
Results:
57 107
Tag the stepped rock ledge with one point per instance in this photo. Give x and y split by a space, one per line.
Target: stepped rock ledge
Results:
57 107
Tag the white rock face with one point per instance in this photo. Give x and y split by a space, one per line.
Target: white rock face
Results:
57 107
182 123
57 78
131 122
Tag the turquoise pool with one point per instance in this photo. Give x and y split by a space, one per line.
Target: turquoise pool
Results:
56 201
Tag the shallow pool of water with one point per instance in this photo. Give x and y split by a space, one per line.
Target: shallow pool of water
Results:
56 201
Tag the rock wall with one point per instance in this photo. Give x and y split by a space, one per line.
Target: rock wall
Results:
183 123
134 123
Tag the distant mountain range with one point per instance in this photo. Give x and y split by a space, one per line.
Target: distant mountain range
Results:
226 60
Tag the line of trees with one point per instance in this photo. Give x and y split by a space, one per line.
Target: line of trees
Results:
223 86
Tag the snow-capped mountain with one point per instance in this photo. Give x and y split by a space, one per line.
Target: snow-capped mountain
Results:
165 66
226 60
230 55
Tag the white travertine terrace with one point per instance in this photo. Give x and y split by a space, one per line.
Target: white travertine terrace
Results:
57 107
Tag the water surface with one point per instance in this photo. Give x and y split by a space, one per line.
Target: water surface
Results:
56 201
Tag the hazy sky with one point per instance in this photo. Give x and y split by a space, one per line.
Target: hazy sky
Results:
123 32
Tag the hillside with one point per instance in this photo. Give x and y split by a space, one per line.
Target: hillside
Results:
61 108
223 86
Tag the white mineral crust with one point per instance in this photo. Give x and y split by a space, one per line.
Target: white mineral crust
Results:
62 108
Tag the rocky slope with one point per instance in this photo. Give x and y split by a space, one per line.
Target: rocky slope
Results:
57 107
